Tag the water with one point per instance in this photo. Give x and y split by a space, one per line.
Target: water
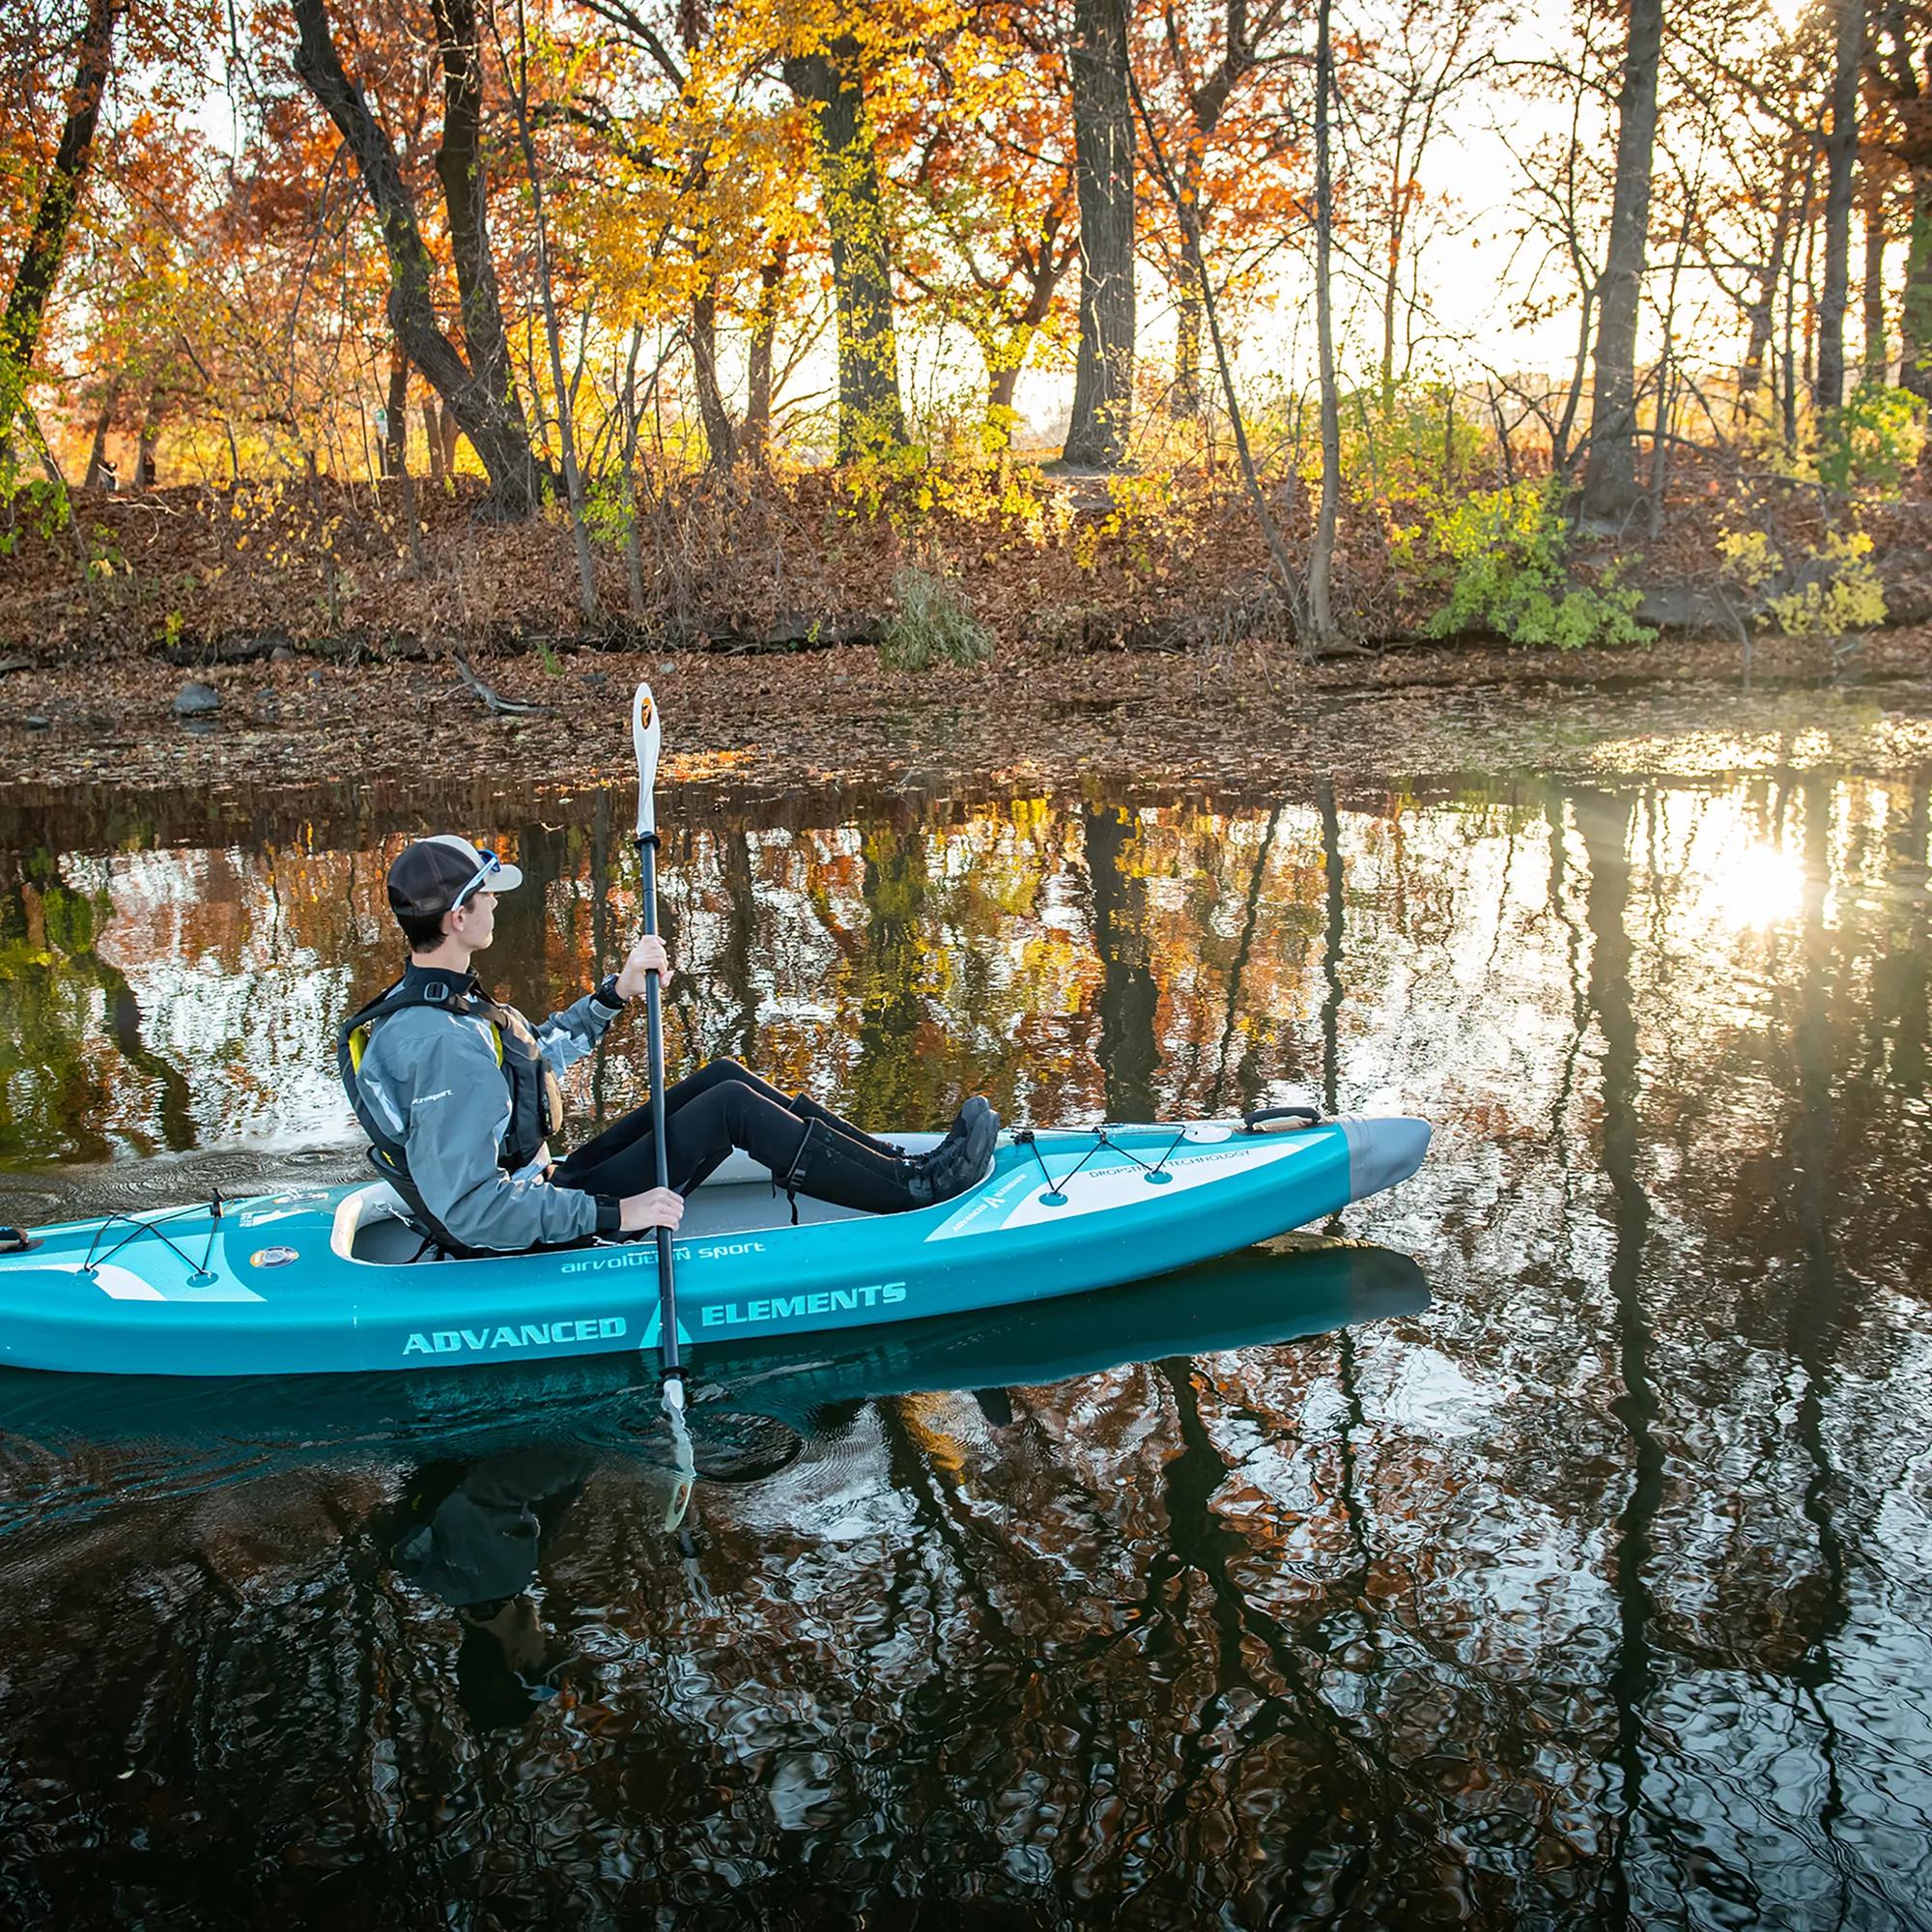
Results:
1556 1555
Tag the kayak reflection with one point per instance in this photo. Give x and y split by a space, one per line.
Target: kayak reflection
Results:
1279 1291
1294 1287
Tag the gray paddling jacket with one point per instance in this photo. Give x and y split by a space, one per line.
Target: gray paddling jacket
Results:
458 1095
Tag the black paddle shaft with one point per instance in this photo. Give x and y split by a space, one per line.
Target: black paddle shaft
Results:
648 864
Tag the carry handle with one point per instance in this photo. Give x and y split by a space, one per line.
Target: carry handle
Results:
1259 1119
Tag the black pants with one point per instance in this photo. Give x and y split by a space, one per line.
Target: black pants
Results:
718 1108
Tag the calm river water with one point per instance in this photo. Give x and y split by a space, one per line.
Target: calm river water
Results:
1553 1550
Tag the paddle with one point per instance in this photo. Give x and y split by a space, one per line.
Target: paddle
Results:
645 737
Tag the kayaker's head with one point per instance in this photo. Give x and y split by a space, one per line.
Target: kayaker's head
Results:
443 894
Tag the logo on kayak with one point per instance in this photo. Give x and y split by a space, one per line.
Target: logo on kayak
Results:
273 1258
799 1307
525 1335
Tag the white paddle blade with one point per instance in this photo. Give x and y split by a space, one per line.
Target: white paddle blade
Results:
645 737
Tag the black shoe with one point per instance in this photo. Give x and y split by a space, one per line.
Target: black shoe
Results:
962 1159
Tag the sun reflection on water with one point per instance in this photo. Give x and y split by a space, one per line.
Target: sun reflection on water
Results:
1762 887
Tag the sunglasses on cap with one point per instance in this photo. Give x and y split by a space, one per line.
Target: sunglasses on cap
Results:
491 866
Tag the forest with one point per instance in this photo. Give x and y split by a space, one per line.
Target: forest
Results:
953 327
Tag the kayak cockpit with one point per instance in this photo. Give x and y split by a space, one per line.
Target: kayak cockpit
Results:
371 1224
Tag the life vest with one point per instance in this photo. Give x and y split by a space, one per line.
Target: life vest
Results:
536 1099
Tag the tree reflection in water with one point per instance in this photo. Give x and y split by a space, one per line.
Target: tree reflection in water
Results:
1592 1592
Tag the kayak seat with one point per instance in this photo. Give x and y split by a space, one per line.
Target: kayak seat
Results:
372 1224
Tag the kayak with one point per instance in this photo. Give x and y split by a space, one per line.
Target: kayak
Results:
332 1280
1297 1286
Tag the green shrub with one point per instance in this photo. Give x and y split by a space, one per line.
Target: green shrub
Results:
1406 443
933 623
1867 447
1501 552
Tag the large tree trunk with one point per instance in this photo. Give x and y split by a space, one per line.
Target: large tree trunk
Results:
1103 168
720 442
459 166
475 399
870 416
1610 476
47 241
1841 154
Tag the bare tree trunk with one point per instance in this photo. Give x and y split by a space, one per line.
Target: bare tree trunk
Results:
720 443
764 338
497 433
1321 555
1187 214
517 82
1610 476
1898 79
1788 398
396 416
1763 310
459 166
872 417
1400 167
97 450
47 241
1183 402
432 437
633 551
1103 151
1562 454
1812 213
1877 359
1017 342
146 474
1915 318
1841 154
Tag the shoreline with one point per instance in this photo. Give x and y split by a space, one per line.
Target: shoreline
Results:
831 717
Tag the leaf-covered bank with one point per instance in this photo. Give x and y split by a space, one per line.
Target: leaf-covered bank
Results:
834 716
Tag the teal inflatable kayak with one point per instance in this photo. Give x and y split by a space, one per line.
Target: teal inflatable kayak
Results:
332 1280
1297 1286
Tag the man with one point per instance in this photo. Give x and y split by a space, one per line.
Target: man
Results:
459 1096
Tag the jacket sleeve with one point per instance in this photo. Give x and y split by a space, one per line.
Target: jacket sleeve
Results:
458 1111
565 1037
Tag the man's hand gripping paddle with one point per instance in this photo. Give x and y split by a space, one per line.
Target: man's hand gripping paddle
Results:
645 738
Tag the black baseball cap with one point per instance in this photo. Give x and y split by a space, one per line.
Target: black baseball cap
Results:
435 875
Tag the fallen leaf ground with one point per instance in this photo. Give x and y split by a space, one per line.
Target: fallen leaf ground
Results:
1253 719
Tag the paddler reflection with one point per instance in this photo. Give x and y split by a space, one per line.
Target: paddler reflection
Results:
476 1536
